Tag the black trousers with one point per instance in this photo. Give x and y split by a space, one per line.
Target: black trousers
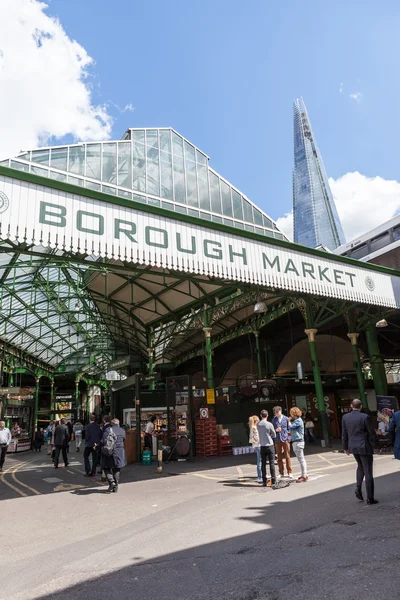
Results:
268 453
364 469
59 449
113 476
3 452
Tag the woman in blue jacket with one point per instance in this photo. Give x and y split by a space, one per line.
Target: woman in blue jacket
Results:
296 427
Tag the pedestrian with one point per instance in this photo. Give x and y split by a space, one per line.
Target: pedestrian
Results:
296 427
309 429
394 433
5 439
358 439
39 440
254 440
266 434
113 457
149 432
61 441
78 430
282 445
48 436
92 443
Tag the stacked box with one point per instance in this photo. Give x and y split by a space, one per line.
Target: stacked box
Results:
206 437
224 445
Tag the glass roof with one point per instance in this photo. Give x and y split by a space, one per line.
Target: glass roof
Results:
153 166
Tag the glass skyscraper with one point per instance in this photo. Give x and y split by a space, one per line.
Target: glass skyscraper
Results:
316 221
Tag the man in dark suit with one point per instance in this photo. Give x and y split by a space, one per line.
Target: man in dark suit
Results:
61 441
93 435
358 439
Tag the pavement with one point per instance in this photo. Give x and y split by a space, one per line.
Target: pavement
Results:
202 529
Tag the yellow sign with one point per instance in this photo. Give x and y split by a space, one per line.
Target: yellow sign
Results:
210 395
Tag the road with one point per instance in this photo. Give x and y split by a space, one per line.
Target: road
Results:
200 530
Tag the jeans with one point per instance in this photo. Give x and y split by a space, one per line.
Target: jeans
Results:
283 450
86 455
298 449
364 469
59 449
3 452
268 452
258 452
78 440
112 476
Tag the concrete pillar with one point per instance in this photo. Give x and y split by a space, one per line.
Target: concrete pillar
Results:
319 392
353 337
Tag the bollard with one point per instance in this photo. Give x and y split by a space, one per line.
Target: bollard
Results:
159 456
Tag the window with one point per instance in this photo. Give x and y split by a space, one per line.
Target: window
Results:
226 199
106 189
380 241
215 195
41 157
190 169
179 174
124 164
93 163
166 175
237 205
258 220
152 162
360 251
267 222
138 161
396 234
59 158
247 212
76 159
109 163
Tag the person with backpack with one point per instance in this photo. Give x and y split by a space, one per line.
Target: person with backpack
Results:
113 457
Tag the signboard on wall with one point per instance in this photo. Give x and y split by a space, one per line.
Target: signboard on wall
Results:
210 395
76 223
386 406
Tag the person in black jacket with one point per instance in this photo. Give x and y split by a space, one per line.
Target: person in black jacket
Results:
61 441
358 439
112 465
92 442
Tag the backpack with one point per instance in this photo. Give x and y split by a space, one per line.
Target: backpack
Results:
108 448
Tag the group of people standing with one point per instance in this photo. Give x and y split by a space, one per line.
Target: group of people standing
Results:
104 446
274 438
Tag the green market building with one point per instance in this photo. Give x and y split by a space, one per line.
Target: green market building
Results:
137 248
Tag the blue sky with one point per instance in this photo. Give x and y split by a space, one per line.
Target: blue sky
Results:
224 74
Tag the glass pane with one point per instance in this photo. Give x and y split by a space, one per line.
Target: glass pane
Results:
167 205
153 201
41 156
201 158
202 180
193 213
75 180
138 198
93 161
58 176
5 163
91 185
165 140
20 166
249 227
39 171
124 164
190 168
59 158
259 231
25 156
247 211
125 194
239 225
215 196
179 180
258 220
216 219
177 145
228 222
166 175
237 205
76 159
138 161
106 189
181 209
109 163
152 155
267 222
226 199
268 233
278 235
206 216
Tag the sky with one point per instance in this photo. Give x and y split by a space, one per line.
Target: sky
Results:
224 74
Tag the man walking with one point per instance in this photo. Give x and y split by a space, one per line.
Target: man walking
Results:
61 441
92 443
358 439
282 446
5 439
266 433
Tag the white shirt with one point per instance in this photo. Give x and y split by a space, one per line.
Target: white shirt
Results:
382 426
149 427
5 436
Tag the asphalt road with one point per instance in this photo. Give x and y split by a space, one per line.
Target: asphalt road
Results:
200 530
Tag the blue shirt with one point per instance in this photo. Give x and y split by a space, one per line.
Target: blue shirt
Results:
283 423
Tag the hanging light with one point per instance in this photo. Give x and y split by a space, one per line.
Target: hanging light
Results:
260 308
300 372
382 323
77 307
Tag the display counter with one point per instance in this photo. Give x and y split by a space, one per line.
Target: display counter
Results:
19 445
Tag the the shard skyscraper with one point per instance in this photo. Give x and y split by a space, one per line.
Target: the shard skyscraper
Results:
316 221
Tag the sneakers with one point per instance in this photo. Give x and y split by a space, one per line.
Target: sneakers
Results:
259 480
279 476
290 476
301 479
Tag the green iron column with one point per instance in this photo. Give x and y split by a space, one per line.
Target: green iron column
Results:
77 411
51 399
267 370
150 353
377 365
207 332
259 365
353 337
319 392
37 380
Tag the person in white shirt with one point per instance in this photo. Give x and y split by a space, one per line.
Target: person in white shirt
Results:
78 430
382 426
149 432
5 439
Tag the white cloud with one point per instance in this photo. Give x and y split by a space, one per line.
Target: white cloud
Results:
285 224
356 96
341 89
362 203
44 87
